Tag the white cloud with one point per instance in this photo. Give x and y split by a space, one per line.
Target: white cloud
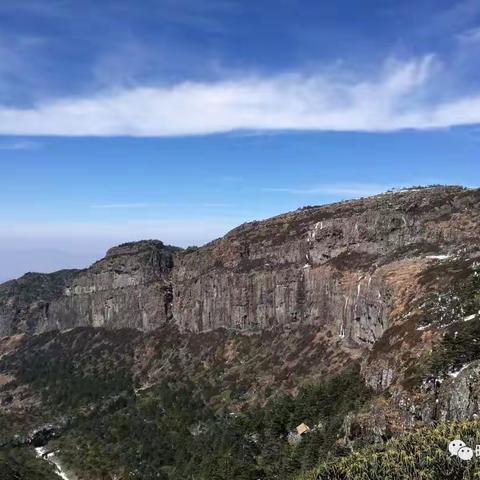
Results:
335 189
394 99
20 145
470 36
181 232
120 206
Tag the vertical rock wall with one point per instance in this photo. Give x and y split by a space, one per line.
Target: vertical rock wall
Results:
333 266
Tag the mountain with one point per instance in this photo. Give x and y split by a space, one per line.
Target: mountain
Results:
359 318
130 287
330 266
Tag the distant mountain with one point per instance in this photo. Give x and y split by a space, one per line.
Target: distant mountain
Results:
360 319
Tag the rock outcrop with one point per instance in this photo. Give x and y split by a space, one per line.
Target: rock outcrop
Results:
347 267
130 287
350 268
24 303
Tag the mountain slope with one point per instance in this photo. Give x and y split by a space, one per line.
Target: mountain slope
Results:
336 266
127 288
360 318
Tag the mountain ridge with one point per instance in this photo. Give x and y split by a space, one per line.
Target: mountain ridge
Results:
285 253
360 318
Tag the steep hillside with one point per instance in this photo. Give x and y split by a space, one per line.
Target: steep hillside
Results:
174 405
127 288
24 303
238 370
417 455
360 318
349 267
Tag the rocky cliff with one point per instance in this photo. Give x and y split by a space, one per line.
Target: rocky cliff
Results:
369 307
348 267
24 303
130 287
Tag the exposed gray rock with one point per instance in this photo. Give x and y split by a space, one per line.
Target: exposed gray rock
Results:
370 428
24 303
459 395
334 266
128 288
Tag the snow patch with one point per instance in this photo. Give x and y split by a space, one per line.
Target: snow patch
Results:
423 327
41 453
404 190
456 373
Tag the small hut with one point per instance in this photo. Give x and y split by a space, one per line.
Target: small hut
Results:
302 428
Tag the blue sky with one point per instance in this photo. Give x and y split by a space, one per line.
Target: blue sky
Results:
179 119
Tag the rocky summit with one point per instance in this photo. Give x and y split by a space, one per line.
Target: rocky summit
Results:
130 287
360 319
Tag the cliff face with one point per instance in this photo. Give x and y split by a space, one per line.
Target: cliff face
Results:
350 268
24 303
128 288
388 284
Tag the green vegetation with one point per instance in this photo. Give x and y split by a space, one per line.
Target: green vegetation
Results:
457 348
461 343
460 301
35 286
419 455
76 368
63 384
171 432
457 310
21 464
192 424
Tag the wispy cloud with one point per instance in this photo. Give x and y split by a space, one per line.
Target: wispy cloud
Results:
470 36
120 206
216 205
145 205
20 145
395 99
181 232
334 189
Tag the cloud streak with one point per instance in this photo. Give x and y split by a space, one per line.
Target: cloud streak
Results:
20 145
143 205
470 36
120 206
181 232
399 97
335 189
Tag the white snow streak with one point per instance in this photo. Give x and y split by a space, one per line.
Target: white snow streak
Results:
50 457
